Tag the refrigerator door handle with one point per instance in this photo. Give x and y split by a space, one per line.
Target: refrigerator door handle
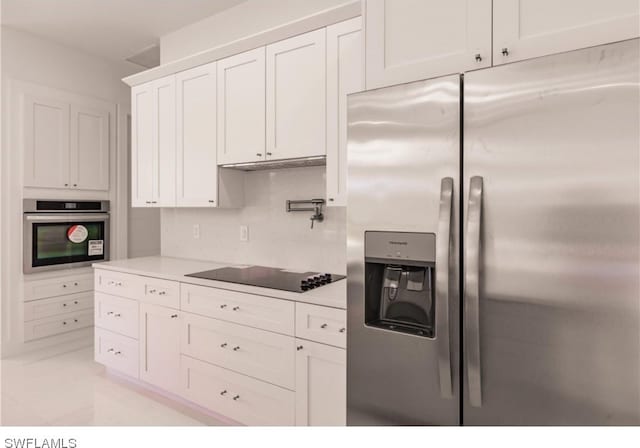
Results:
443 266
472 292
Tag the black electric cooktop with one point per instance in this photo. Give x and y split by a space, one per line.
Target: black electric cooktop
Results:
266 277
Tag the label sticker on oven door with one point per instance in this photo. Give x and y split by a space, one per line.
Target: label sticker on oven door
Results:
77 233
96 247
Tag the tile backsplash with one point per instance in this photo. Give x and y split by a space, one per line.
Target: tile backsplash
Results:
276 238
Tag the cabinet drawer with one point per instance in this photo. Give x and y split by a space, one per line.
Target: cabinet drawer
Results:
257 353
50 326
119 284
246 309
38 309
117 314
53 287
160 292
322 324
236 396
116 352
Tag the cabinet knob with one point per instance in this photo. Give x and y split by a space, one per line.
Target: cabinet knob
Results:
64 323
173 316
75 283
224 392
64 286
110 313
75 320
236 348
152 291
75 185
117 315
505 51
478 57
236 398
75 302
331 199
269 154
223 345
223 306
259 154
323 326
342 330
147 202
110 350
211 201
64 304
236 308
117 353
299 347
162 293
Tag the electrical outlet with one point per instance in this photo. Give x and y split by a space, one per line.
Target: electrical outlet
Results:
244 233
196 231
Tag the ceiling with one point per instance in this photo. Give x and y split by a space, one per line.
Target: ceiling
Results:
112 29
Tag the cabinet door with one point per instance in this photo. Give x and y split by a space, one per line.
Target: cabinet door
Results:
164 142
142 145
160 346
321 385
197 179
241 107
89 148
46 142
345 74
296 97
531 28
410 40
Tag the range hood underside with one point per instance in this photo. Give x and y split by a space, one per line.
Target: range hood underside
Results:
278 164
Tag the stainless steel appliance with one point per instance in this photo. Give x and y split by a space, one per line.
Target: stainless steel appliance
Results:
526 177
267 277
64 234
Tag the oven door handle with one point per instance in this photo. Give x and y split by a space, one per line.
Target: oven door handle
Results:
70 217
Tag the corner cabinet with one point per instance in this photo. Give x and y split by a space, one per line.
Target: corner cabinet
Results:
345 75
409 40
66 140
531 28
296 96
174 144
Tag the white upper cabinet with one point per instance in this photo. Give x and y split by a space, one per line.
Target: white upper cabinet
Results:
345 75
46 142
296 96
409 40
164 142
531 28
89 148
241 107
66 140
142 150
153 144
197 171
321 384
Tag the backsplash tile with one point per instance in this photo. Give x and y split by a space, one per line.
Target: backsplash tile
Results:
276 238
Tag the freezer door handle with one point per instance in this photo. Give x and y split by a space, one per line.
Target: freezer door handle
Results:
472 292
444 245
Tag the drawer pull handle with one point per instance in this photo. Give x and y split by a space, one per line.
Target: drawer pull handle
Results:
117 353
236 308
75 302
118 283
342 330
162 293
110 350
299 347
75 283
236 348
236 398
224 392
64 304
223 345
110 313
173 316
75 320
64 323
117 315
152 291
64 286
223 306
323 326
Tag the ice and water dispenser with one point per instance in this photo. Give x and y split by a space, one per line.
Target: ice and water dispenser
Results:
400 281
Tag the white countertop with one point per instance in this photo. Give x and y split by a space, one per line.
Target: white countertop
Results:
333 294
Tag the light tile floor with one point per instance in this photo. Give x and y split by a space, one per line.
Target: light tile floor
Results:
67 388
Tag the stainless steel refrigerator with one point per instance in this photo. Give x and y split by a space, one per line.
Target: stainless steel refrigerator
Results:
493 228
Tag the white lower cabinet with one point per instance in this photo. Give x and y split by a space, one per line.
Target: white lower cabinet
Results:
160 346
239 397
116 352
321 384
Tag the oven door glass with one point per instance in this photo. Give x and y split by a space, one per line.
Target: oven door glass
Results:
67 242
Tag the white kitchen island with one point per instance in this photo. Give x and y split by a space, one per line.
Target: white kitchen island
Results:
256 356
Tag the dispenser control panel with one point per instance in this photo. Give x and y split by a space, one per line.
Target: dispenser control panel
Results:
401 246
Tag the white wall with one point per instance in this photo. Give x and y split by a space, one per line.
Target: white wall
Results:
276 238
245 19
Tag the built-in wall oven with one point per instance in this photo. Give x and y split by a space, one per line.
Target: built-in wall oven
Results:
64 234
